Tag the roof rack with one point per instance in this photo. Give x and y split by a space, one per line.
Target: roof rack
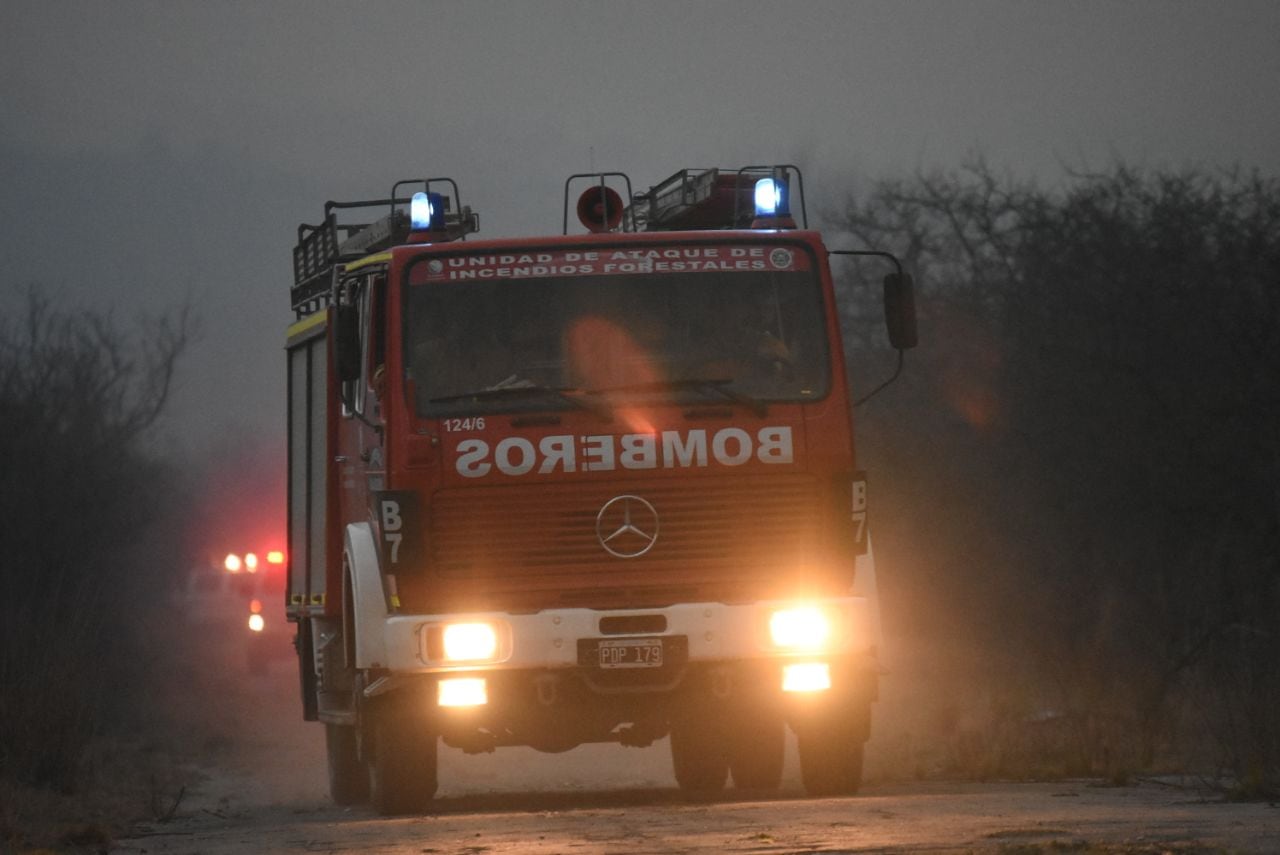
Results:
707 198
321 248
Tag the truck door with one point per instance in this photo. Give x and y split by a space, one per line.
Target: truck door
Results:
361 456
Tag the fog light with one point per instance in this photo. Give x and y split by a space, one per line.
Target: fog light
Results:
806 677
462 692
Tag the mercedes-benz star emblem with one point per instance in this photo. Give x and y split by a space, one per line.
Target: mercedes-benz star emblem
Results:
627 526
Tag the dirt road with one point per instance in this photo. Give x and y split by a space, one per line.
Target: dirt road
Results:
262 789
970 818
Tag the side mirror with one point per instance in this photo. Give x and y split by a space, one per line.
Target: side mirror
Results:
346 343
900 310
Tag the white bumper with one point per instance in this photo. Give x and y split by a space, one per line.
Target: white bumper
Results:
549 639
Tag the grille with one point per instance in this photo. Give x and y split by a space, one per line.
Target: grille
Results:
739 527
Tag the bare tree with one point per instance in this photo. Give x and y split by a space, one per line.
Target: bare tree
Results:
78 394
1095 422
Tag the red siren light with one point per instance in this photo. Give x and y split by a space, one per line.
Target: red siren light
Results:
600 209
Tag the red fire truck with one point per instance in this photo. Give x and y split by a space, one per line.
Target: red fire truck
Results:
225 599
593 487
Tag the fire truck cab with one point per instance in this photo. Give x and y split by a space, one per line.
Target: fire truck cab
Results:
594 487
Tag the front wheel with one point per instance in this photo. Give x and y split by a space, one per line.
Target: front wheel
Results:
699 755
348 777
831 760
402 770
756 749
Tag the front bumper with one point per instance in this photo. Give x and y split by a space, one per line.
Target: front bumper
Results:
548 640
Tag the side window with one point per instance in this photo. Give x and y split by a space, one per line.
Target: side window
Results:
368 294
362 300
355 293
374 344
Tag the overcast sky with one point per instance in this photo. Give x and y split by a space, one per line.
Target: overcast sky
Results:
157 152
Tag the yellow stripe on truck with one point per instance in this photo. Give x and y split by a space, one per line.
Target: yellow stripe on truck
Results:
306 325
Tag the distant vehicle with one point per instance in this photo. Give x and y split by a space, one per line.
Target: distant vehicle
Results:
581 488
235 601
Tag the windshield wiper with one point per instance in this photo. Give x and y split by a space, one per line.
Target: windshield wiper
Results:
717 385
568 394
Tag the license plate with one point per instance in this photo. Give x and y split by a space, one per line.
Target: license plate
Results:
629 653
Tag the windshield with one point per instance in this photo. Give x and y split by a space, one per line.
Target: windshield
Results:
516 343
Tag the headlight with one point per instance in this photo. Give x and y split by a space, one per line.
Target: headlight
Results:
469 642
800 628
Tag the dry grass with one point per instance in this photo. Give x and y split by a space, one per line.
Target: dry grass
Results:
950 713
129 782
140 771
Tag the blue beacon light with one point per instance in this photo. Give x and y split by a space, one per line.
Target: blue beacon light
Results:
420 211
769 198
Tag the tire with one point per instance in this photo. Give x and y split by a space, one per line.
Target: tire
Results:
699 756
402 770
348 776
756 751
831 761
